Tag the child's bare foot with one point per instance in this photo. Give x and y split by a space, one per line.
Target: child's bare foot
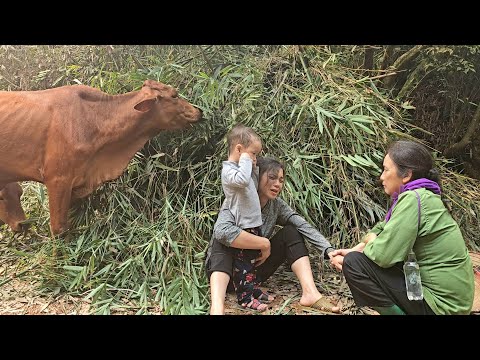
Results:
255 305
262 296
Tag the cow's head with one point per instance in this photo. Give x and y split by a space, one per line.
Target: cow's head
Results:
11 211
165 107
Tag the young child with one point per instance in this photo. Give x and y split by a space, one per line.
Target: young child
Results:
240 183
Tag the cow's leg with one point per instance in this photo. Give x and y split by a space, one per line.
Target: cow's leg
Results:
59 195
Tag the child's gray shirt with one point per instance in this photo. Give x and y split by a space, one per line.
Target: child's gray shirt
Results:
240 183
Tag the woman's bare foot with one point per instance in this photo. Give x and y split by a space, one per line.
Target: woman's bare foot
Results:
320 303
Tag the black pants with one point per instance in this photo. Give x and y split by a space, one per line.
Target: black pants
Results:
372 285
287 245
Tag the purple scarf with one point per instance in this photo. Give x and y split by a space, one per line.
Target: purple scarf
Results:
412 185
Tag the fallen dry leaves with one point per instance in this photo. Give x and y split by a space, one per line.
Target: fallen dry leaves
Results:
21 295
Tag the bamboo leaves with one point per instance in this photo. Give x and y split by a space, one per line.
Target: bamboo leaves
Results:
139 243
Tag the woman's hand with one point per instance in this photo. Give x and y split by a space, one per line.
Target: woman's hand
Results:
336 258
265 253
337 262
341 252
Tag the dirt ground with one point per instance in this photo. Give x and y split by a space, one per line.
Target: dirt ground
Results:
20 295
286 289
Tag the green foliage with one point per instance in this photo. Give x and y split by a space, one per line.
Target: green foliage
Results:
453 58
139 242
442 84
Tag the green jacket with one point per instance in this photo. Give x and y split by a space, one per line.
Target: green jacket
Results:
445 265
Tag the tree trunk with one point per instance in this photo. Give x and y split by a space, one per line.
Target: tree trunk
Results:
414 79
368 60
402 63
389 50
456 149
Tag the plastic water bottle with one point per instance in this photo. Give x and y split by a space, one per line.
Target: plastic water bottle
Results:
413 281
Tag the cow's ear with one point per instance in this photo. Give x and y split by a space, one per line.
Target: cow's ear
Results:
145 105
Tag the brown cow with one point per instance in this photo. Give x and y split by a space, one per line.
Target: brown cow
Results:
74 138
11 211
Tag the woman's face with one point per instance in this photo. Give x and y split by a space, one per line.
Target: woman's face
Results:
270 184
390 180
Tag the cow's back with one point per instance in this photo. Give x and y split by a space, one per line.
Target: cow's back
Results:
36 108
22 110
28 120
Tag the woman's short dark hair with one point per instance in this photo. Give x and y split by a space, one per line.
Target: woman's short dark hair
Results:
267 164
410 155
